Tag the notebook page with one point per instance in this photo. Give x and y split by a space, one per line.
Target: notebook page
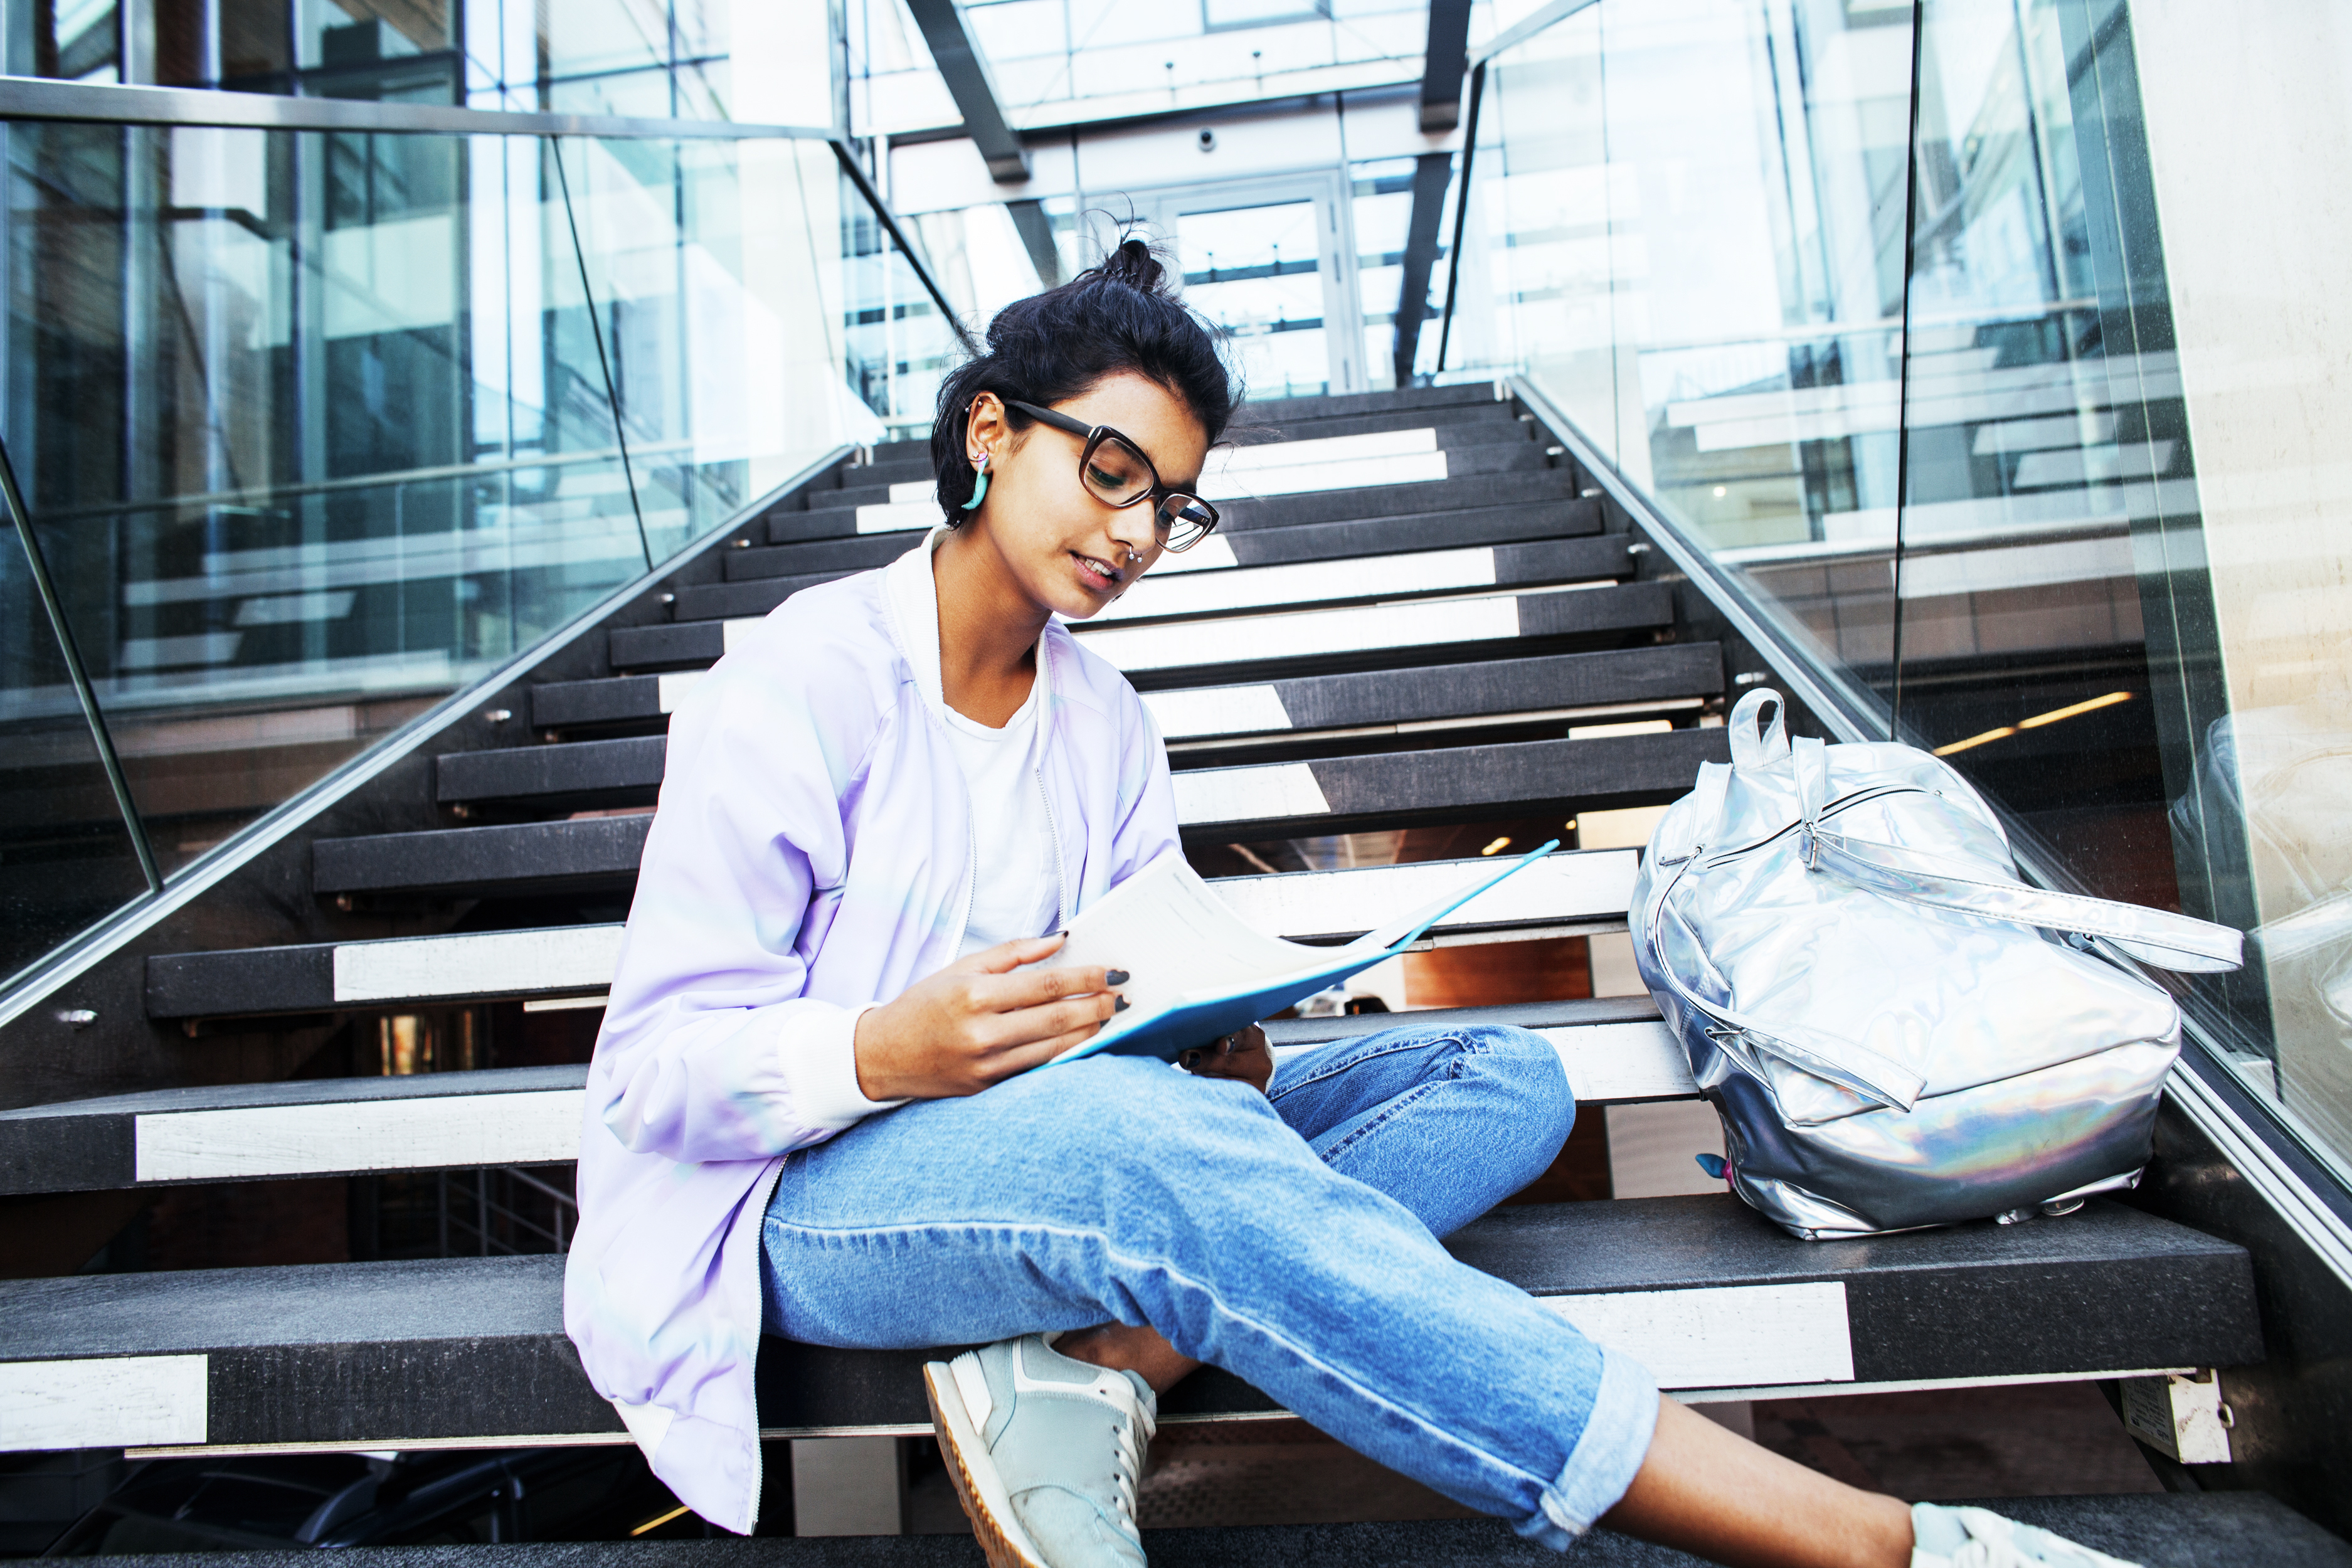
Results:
1174 936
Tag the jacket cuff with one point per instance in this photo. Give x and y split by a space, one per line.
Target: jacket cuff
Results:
817 1059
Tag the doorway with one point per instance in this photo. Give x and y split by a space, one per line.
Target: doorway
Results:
1272 261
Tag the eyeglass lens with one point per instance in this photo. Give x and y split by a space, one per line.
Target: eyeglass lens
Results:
1122 476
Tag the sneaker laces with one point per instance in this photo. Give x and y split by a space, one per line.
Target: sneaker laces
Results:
1132 1439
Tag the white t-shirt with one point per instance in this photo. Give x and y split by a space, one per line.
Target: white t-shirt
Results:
1017 893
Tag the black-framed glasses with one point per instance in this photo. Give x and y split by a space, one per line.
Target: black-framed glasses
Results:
1116 473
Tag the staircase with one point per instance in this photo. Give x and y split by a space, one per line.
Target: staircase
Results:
1418 616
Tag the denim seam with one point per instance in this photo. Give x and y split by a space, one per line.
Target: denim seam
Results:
1097 1239
1355 1059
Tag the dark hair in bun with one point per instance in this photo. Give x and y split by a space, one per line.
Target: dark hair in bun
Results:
1119 315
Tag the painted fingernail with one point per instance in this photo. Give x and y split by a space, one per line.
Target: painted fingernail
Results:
1114 976
1118 1005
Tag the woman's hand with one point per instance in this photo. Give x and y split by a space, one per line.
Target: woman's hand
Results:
1243 1055
976 1023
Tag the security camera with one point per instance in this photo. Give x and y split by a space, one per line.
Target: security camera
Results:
1208 141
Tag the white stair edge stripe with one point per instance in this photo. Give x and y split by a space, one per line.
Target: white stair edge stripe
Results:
670 690
1301 634
1709 1336
435 1132
923 1428
1217 711
489 964
103 1402
1302 582
1607 1064
1586 887
1319 449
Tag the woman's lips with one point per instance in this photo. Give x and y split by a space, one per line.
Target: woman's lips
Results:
1095 574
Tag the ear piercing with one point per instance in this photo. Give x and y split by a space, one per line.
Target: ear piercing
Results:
979 490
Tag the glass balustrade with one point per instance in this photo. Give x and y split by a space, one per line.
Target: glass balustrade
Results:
1992 386
315 429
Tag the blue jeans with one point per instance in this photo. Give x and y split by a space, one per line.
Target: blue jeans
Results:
1289 1237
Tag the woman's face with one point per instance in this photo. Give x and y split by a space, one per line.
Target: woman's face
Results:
1073 553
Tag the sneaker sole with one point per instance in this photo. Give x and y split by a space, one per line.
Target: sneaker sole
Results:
978 1486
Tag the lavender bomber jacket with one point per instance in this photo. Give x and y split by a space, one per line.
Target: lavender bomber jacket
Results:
812 857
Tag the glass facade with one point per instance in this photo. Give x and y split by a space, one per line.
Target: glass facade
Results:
314 429
1910 368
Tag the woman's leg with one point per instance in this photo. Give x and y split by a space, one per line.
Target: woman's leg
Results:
1122 1191
1449 1121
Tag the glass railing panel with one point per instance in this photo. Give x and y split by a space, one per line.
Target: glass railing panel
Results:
2045 428
318 428
2122 604
66 41
1685 223
899 345
66 856
711 263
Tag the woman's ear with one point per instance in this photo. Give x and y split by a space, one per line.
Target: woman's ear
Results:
986 428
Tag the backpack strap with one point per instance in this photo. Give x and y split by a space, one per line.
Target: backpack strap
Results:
2157 937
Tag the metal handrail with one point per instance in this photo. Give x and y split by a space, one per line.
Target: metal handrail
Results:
38 98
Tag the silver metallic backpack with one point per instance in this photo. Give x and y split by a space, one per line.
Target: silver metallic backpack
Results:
1897 1031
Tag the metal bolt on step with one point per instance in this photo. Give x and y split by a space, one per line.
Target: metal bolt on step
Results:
1555 451
461 812
1586 494
343 902
669 598
498 715
1751 678
1637 548
742 544
77 1017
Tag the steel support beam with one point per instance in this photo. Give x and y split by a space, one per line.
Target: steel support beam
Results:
1442 64
1036 231
1432 172
965 70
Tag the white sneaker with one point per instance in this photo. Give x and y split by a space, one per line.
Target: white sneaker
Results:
1979 1538
1046 1453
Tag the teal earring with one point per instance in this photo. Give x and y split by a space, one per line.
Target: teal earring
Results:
980 491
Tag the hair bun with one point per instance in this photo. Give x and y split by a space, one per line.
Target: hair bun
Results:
1133 263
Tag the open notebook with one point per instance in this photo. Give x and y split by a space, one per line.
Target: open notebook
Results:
1198 973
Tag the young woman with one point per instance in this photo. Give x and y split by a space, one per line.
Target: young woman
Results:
811 1112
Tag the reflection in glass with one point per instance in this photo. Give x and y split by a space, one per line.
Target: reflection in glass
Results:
2098 589
360 446
66 854
70 40
1257 272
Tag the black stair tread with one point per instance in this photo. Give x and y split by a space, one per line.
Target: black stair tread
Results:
1541 617
385 1353
1461 492
1493 460
511 859
1498 686
1552 518
1577 888
1489 421
2189 1530
1541 623
1331 550
311 1127
514 858
1400 789
1325 406
91 1145
1618 676
624 771
610 699
1470 448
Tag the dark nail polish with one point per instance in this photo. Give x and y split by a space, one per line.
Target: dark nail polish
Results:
1114 976
1118 1005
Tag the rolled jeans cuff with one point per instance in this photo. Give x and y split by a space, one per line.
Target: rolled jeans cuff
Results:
1607 1455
